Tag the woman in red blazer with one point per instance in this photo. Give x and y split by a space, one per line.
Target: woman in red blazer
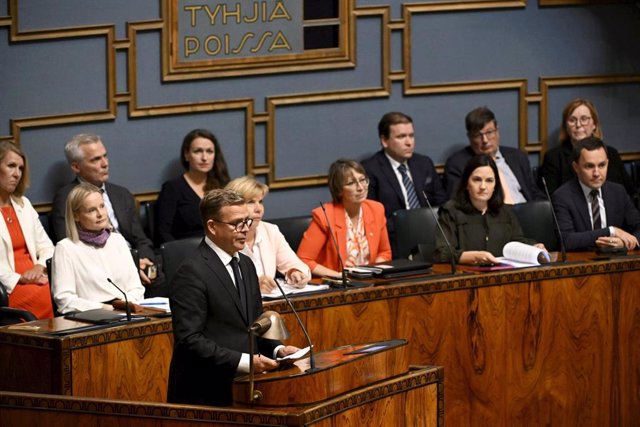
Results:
359 225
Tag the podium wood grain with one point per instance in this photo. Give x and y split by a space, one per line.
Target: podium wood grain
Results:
556 345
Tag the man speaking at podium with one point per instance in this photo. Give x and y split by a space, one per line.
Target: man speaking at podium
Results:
214 298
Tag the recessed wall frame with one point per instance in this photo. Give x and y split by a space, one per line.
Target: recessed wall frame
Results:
548 83
176 67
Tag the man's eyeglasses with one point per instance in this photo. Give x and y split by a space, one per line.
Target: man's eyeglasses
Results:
489 134
362 181
584 120
238 225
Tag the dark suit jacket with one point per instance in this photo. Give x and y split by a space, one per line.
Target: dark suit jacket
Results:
516 159
209 328
124 207
177 214
556 168
385 187
575 221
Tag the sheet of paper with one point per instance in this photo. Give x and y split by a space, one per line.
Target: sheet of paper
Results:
158 303
295 356
290 290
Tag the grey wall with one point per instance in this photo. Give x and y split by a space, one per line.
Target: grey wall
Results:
524 62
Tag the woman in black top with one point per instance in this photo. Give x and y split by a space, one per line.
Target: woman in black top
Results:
476 221
177 213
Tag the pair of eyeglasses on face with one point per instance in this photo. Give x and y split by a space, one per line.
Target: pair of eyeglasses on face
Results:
489 134
362 182
237 225
584 120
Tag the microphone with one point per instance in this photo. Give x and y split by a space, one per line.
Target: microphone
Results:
335 243
563 251
126 301
444 236
312 359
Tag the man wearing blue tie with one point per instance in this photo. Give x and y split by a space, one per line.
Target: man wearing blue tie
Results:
398 176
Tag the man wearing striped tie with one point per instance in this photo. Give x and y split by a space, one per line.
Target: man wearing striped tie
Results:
592 211
397 175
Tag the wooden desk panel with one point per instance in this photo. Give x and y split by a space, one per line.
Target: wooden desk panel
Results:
414 398
557 345
125 362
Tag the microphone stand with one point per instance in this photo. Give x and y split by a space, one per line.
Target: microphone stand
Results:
312 359
563 251
444 236
345 281
126 301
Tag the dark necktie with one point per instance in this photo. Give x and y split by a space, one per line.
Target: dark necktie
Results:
412 197
595 210
242 292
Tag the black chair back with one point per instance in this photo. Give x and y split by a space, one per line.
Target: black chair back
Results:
174 253
146 213
292 228
10 315
415 233
536 220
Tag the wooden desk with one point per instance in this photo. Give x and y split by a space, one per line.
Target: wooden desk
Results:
122 362
556 345
414 398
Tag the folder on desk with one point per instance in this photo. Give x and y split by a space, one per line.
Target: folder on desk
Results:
100 316
398 268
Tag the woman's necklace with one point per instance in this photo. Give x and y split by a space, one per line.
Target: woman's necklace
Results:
7 214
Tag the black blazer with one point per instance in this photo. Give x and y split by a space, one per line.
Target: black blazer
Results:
516 159
556 168
124 207
385 188
575 221
209 328
177 214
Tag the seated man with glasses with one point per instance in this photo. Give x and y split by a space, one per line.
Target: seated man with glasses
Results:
580 120
399 176
214 299
517 180
350 230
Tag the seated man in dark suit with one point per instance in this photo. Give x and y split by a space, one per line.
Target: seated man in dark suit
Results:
591 210
517 180
398 176
214 298
87 157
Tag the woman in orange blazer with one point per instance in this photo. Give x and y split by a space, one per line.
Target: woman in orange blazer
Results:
359 225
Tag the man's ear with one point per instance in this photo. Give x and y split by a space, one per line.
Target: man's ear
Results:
383 142
210 227
575 166
75 167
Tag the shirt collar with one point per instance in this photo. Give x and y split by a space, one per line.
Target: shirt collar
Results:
222 254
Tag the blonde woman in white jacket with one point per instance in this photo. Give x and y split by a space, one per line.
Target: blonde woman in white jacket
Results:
24 245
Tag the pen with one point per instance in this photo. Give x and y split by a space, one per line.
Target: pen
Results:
153 303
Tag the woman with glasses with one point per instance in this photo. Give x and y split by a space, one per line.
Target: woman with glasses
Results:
265 244
579 120
91 257
351 222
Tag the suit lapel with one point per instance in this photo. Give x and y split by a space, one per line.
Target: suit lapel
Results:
223 278
391 177
340 229
583 208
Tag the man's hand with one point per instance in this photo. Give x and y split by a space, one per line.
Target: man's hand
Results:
263 364
144 263
287 350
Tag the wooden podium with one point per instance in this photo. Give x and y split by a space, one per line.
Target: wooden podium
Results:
338 371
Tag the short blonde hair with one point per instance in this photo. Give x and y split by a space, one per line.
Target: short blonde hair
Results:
248 187
23 184
74 202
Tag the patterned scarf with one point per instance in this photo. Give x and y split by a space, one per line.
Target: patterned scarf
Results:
97 239
357 243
